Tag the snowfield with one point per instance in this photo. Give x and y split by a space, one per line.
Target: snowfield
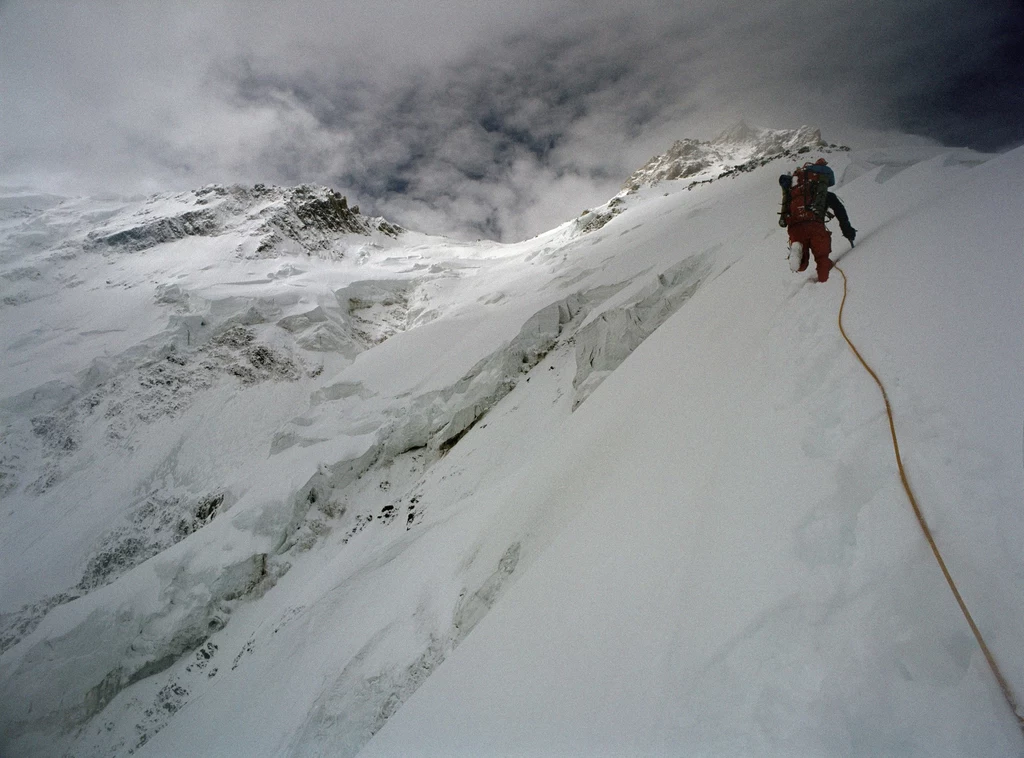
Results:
278 479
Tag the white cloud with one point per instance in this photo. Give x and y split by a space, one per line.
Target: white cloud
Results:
468 117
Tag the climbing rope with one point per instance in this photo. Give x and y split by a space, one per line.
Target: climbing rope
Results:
1003 684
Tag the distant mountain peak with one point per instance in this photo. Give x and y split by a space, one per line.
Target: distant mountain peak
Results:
306 218
740 132
738 148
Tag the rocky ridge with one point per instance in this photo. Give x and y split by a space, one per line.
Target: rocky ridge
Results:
305 218
740 148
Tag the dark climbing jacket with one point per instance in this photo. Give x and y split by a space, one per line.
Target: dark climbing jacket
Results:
837 209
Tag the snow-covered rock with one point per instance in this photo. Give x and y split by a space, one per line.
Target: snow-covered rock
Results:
740 148
292 219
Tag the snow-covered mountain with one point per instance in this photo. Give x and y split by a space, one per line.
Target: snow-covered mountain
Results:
266 464
741 148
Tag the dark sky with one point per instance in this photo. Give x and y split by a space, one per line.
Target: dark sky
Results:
476 117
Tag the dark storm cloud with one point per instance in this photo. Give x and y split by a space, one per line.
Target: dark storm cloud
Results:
477 118
493 133
977 99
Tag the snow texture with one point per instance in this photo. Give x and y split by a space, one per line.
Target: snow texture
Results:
278 479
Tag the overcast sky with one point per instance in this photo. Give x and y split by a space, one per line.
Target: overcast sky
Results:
477 118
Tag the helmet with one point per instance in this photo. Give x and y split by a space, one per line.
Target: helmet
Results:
821 162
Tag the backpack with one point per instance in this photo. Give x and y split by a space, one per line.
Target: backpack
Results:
805 194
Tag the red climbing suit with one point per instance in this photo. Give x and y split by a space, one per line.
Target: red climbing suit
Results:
804 210
814 237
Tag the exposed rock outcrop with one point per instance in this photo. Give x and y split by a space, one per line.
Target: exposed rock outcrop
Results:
280 219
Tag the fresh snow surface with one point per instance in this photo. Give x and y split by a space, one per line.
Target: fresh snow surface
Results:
620 489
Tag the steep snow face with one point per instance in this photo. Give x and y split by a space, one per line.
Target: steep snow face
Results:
254 499
743 574
188 414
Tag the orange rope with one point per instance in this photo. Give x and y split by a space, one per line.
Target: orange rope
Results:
1003 684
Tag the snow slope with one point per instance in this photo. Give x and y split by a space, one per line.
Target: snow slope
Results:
270 508
744 576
